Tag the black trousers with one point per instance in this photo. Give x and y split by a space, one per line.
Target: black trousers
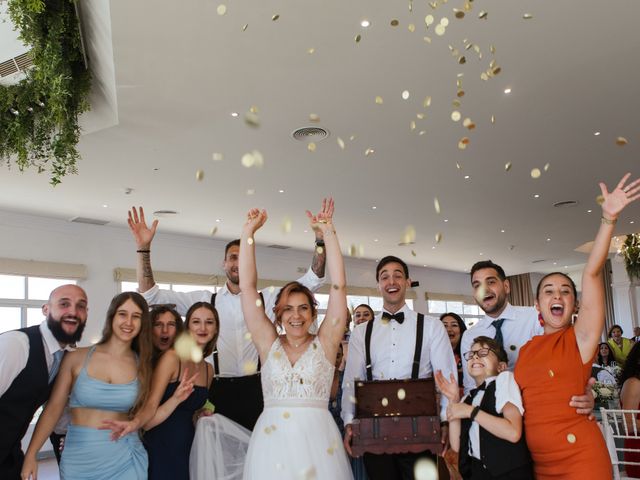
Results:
57 442
238 398
11 464
399 466
480 472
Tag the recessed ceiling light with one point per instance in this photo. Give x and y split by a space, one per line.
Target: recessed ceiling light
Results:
507 91
467 177
164 213
548 239
306 231
596 133
502 230
218 220
105 205
281 191
433 248
234 114
632 222
536 195
375 239
566 266
373 207
365 23
589 211
481 254
555 263
425 265
446 220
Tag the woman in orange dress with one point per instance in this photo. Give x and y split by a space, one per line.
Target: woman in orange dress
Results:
551 367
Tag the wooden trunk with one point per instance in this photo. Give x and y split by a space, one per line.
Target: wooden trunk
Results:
396 416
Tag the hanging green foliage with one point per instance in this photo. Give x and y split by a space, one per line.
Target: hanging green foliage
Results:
39 115
630 251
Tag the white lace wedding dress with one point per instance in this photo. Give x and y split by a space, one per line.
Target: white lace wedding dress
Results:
296 436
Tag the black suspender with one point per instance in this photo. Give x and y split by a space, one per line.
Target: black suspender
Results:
216 367
415 370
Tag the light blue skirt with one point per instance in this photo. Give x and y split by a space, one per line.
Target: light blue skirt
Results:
89 454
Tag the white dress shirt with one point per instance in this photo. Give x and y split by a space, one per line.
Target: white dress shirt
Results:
235 350
507 391
520 325
14 353
392 350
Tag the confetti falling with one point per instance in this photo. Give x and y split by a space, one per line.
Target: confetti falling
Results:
455 116
535 173
527 16
314 117
287 225
185 345
311 147
213 231
599 199
438 237
275 17
369 151
249 367
340 143
258 303
358 38
621 141
507 166
425 469
436 205
379 100
199 175
222 9
409 235
217 157
405 95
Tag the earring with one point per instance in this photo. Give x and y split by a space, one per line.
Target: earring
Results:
540 319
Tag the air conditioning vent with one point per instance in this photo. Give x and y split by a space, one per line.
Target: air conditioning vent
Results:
565 203
541 260
310 134
278 247
164 213
89 221
15 65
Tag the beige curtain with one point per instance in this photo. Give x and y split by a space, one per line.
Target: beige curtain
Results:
521 293
609 314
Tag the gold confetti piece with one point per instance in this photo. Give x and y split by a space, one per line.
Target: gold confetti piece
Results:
247 336
340 143
286 225
409 235
222 9
412 125
438 237
460 93
259 159
420 116
436 205
467 122
213 231
599 199
248 160
411 27
185 345
422 132
385 401
330 451
425 469
413 253
440 30
244 27
427 39
507 166
493 119
249 367
405 95
621 141
311 147
320 250
252 119
429 20
458 13
571 438
484 76
358 38
258 303
196 355
462 60
527 16
379 100
427 102
458 166
250 241
546 167
217 157
444 21
483 15
253 109
361 250
394 23
369 151
352 138
277 355
551 374
496 70
535 173
314 117
456 103
199 175
286 415
267 430
455 116
310 51
275 17
401 394
462 145
352 250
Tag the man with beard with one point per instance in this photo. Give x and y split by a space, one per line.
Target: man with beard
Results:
510 326
235 359
29 361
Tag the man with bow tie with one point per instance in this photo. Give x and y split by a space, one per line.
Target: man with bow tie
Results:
392 353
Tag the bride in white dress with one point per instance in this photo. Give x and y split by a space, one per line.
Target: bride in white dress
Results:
296 436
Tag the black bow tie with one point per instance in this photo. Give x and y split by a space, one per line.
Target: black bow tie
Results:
398 317
474 391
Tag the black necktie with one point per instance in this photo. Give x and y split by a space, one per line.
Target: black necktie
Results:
474 391
497 324
398 317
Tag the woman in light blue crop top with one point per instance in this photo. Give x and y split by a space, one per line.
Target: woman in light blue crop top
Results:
106 382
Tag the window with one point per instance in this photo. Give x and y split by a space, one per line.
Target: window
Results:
470 313
352 302
176 287
21 299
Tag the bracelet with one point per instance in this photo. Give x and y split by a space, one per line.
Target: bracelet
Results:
319 243
143 251
474 413
607 221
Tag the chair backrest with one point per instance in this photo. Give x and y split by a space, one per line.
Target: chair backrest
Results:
621 429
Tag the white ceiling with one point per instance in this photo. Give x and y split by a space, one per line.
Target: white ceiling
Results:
171 73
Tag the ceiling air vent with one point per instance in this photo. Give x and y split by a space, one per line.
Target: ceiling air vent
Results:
541 260
164 213
278 247
310 134
566 203
15 65
89 221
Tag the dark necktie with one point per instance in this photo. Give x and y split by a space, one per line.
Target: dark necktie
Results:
474 391
55 365
497 324
398 317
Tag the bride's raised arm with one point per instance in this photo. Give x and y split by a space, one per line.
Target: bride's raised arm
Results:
263 332
333 327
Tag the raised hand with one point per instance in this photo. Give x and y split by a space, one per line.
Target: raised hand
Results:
323 220
142 234
256 218
620 197
449 388
185 387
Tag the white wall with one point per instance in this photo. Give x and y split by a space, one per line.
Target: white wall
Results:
103 248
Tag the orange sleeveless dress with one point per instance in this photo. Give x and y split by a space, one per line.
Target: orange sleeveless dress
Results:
563 444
